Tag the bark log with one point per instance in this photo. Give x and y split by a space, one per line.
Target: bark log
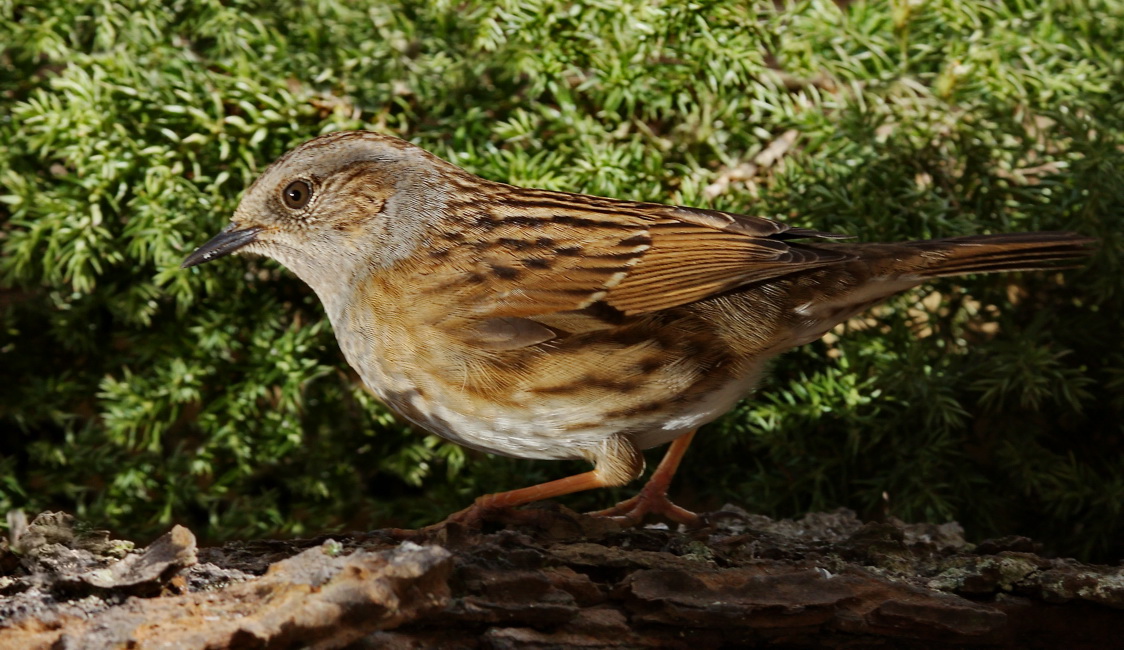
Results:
549 578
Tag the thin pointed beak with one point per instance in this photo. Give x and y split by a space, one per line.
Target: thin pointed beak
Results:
226 242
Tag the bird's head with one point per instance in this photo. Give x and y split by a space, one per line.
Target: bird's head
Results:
337 204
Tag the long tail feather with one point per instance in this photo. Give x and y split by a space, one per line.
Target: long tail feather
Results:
1024 251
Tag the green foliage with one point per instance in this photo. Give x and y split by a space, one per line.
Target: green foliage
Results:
137 394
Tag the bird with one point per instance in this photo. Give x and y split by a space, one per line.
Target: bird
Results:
551 325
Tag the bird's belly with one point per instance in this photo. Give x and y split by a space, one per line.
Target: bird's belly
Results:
552 403
709 406
534 425
531 430
388 363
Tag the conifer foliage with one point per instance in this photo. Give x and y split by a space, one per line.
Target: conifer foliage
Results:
136 394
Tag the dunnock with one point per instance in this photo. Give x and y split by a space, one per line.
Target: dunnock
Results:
550 325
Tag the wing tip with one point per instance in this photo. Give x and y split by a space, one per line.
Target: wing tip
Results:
803 233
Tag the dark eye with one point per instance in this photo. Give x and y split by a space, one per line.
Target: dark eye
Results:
296 194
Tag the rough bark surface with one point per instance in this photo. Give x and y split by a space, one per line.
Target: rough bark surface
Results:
549 578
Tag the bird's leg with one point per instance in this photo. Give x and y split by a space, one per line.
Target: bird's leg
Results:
548 490
616 463
652 498
476 513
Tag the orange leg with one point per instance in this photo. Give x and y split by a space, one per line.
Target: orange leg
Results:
653 496
523 496
548 490
651 500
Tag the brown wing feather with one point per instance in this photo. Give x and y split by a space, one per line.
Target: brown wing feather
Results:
543 255
689 262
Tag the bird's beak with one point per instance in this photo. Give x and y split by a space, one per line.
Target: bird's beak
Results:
226 242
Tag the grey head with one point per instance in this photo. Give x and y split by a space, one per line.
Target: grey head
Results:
336 205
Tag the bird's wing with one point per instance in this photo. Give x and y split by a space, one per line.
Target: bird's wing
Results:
699 253
550 258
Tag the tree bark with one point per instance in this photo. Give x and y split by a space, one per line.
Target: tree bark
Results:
550 578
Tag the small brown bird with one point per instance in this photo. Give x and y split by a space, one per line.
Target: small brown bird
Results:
550 325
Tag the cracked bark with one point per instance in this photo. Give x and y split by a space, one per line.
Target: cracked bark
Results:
549 578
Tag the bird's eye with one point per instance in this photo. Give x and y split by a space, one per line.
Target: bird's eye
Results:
296 195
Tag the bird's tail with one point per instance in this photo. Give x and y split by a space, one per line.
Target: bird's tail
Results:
876 271
1022 251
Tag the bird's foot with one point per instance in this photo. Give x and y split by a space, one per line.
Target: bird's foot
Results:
470 518
473 520
631 512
